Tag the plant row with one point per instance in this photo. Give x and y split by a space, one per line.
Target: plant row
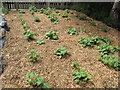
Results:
105 49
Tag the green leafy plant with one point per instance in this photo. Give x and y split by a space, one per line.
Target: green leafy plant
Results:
36 81
104 29
32 8
23 22
40 41
33 56
110 61
53 18
36 19
104 49
32 12
61 52
25 28
83 30
68 18
56 11
64 15
47 12
68 11
90 41
74 65
21 11
80 76
96 40
72 31
41 10
5 10
92 24
29 35
116 49
81 17
51 35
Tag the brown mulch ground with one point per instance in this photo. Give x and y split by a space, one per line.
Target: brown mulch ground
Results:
57 72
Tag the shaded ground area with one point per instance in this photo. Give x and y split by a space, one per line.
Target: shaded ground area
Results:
57 72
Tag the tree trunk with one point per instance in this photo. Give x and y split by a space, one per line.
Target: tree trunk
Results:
115 12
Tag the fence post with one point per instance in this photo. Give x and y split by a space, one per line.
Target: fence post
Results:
16 6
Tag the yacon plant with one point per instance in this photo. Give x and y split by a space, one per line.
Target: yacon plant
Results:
72 31
80 76
33 56
51 35
61 52
36 81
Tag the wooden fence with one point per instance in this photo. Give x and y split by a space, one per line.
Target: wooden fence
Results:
25 5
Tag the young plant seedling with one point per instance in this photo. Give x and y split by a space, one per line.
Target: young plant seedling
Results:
92 24
36 81
33 56
68 11
29 35
64 15
36 19
51 35
40 41
21 11
83 30
32 8
80 76
61 52
81 17
74 65
72 31
68 18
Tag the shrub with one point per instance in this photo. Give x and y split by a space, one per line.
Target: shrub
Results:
72 31
21 11
33 56
36 81
40 41
61 52
5 10
51 35
36 19
110 61
74 65
29 35
80 76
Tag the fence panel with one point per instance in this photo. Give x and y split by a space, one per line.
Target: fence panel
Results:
25 5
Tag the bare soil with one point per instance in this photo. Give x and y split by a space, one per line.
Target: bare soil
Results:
57 72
